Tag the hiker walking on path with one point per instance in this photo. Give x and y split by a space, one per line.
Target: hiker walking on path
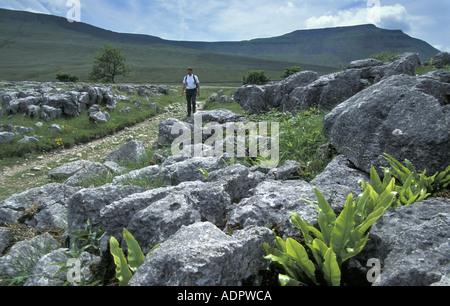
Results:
192 86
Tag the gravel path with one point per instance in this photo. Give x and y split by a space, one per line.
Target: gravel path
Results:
30 173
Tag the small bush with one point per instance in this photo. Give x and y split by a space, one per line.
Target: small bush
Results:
256 77
290 71
67 77
385 56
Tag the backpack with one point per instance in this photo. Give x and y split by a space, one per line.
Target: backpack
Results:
195 80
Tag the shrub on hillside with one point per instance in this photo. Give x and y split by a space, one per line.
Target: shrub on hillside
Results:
256 77
290 71
385 56
67 77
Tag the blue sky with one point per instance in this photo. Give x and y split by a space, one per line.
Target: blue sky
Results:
232 20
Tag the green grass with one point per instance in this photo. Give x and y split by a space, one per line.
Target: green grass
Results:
45 45
422 69
76 130
300 138
230 105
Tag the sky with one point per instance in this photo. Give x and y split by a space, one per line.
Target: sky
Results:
236 20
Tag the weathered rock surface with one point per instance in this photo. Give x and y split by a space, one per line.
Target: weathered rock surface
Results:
131 152
324 93
305 90
202 255
211 216
79 172
441 60
6 137
412 244
257 99
403 116
270 204
20 257
43 207
338 180
51 102
45 271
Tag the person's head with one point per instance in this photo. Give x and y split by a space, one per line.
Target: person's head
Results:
189 70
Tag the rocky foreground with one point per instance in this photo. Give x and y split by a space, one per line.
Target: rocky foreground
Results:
211 228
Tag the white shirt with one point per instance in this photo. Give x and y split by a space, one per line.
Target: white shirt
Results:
189 81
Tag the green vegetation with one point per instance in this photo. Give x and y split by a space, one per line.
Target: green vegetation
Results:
109 63
126 267
300 140
290 71
60 46
318 257
425 68
89 237
77 130
338 239
255 77
67 77
412 187
385 56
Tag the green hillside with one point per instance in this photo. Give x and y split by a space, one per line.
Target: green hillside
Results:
37 46
325 47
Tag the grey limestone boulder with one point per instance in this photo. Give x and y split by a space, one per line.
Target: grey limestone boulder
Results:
5 239
237 180
202 255
399 116
289 170
21 105
47 202
168 132
412 244
338 180
219 115
305 89
326 92
131 152
79 172
175 170
50 113
441 59
6 137
45 272
96 115
364 63
23 255
33 111
154 215
405 63
87 203
260 98
271 203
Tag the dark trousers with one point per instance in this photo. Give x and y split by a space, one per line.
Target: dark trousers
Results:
191 97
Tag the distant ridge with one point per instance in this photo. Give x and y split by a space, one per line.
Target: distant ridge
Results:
36 46
328 47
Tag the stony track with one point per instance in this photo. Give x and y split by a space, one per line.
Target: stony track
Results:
32 172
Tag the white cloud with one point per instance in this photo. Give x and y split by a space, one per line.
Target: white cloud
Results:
378 15
26 5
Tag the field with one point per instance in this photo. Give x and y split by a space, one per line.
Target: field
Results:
36 47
